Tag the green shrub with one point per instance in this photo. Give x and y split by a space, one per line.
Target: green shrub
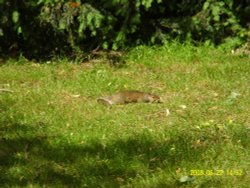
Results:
46 27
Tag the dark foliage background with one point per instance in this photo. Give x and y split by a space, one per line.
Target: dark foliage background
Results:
43 28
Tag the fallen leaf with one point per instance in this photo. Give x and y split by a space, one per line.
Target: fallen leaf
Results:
185 179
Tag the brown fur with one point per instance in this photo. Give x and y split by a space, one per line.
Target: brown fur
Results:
124 97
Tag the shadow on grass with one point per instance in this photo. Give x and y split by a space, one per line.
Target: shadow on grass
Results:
29 157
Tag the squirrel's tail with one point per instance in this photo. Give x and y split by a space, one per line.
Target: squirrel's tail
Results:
104 101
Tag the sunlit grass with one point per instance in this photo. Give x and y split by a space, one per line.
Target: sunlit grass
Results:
54 133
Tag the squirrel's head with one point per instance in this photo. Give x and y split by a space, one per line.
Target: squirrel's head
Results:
154 98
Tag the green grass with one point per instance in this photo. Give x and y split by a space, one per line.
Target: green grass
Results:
54 134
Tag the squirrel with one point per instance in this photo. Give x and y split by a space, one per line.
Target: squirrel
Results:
124 97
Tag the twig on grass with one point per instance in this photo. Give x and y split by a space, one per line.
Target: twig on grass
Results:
6 90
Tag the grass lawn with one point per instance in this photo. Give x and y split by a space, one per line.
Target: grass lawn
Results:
53 133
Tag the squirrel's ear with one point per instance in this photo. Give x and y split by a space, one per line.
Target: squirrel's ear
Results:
104 101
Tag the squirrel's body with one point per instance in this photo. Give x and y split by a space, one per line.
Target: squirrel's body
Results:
124 97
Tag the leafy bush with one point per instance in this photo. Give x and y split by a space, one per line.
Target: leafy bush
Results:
22 31
46 27
216 21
